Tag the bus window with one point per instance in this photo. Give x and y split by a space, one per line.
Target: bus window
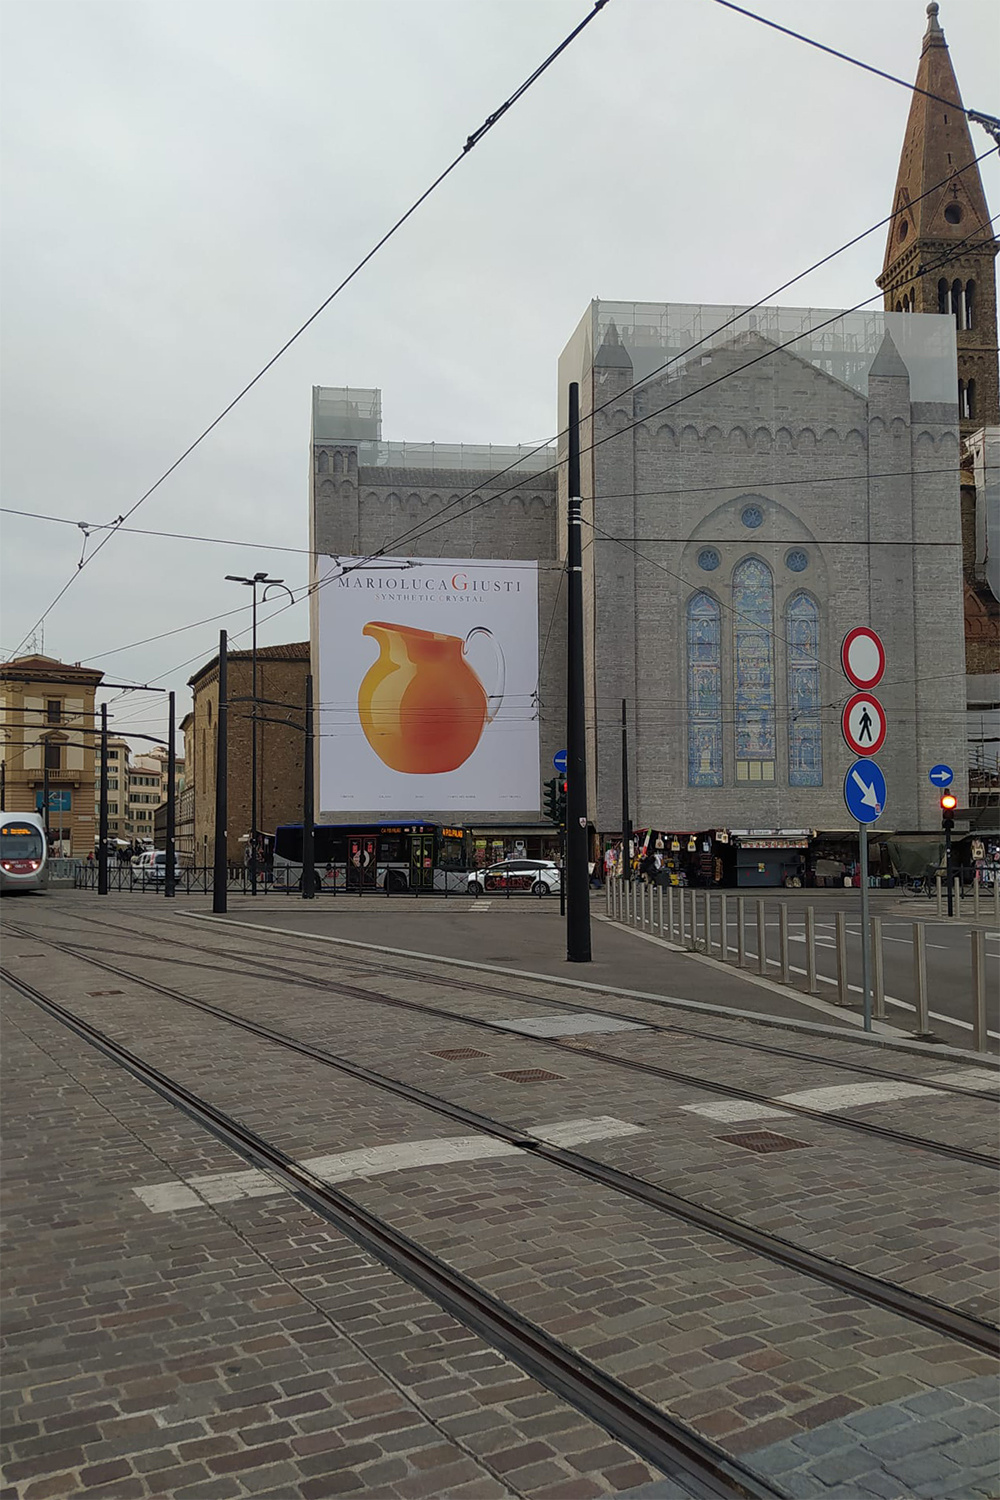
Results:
392 849
452 855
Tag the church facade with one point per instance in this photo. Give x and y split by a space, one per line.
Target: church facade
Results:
754 487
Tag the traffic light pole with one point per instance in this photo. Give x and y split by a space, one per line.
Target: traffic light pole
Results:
220 877
626 817
102 809
866 986
947 866
577 873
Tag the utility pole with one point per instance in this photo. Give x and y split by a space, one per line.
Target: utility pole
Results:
626 815
168 874
45 794
102 810
308 802
578 876
220 879
3 786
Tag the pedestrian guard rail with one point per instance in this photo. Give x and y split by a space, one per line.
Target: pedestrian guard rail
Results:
718 925
200 879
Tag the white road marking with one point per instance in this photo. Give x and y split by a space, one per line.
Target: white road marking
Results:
370 1161
569 1025
732 1110
967 1078
847 1095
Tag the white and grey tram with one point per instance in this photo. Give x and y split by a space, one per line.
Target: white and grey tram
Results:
23 853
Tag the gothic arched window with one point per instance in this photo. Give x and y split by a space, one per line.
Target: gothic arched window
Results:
704 653
753 669
970 303
942 296
805 733
956 302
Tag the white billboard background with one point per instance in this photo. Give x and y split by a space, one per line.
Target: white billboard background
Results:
417 693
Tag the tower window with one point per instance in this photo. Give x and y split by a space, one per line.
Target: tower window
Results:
970 302
903 230
953 213
942 296
957 299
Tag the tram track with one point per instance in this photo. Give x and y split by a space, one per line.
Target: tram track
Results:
449 981
673 1447
576 1049
946 1321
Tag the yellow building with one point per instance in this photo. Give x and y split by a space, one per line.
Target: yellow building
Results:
119 754
48 732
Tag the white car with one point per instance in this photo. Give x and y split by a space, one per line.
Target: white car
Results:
152 866
539 876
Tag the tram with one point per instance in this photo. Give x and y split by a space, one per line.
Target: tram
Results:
23 854
374 856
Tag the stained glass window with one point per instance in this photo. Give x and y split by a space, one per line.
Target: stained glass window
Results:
753 639
805 734
704 645
708 559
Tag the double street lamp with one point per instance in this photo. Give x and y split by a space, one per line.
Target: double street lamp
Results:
262 582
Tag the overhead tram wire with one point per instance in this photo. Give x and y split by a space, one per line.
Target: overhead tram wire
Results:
990 123
471 142
434 523
745 312
403 537
697 489
955 251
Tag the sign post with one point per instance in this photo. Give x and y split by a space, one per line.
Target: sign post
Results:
863 725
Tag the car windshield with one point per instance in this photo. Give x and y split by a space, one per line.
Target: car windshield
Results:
20 841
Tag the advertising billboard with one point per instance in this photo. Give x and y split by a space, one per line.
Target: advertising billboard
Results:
428 675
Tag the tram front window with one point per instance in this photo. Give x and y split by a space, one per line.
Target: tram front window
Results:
18 841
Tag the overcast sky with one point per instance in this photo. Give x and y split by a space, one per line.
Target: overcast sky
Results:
185 182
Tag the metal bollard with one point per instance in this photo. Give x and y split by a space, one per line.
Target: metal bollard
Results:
724 927
975 896
843 993
978 990
939 893
958 898
682 903
920 977
783 940
607 898
693 903
878 970
670 912
708 923
626 900
641 914
741 932
659 906
996 897
811 950
761 939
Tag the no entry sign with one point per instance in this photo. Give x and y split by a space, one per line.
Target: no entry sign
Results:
862 657
863 724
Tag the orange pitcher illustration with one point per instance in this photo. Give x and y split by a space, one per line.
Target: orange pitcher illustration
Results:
422 706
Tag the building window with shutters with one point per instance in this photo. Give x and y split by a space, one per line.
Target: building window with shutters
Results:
53 710
53 755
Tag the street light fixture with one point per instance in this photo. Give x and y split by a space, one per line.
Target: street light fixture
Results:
262 582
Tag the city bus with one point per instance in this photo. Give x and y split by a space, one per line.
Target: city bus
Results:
374 856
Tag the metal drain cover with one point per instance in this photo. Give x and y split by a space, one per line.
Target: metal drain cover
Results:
105 992
454 1053
763 1142
529 1075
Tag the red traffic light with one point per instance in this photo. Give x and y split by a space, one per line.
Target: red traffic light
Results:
948 802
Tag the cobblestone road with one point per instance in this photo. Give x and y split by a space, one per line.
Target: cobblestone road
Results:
177 1324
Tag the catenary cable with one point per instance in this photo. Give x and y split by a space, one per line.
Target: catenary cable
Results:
472 141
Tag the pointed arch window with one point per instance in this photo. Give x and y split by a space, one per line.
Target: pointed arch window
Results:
805 733
753 667
943 296
970 303
704 653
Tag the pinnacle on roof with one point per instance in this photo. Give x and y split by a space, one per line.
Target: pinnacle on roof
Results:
888 363
612 350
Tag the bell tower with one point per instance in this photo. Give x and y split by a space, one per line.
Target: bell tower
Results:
940 249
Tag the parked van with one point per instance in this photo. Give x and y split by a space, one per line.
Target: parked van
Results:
152 866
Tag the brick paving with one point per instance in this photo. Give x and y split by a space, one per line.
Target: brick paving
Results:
113 1304
240 1350
824 1198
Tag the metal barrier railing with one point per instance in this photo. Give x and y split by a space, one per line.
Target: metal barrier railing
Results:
200 880
700 921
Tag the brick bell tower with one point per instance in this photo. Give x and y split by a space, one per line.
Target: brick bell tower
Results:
940 250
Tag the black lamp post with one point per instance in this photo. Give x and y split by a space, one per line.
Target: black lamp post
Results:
261 581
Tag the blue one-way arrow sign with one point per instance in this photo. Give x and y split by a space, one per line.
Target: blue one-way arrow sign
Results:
865 791
559 760
941 775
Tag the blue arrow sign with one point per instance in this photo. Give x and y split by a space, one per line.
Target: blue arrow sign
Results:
560 760
941 775
864 791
